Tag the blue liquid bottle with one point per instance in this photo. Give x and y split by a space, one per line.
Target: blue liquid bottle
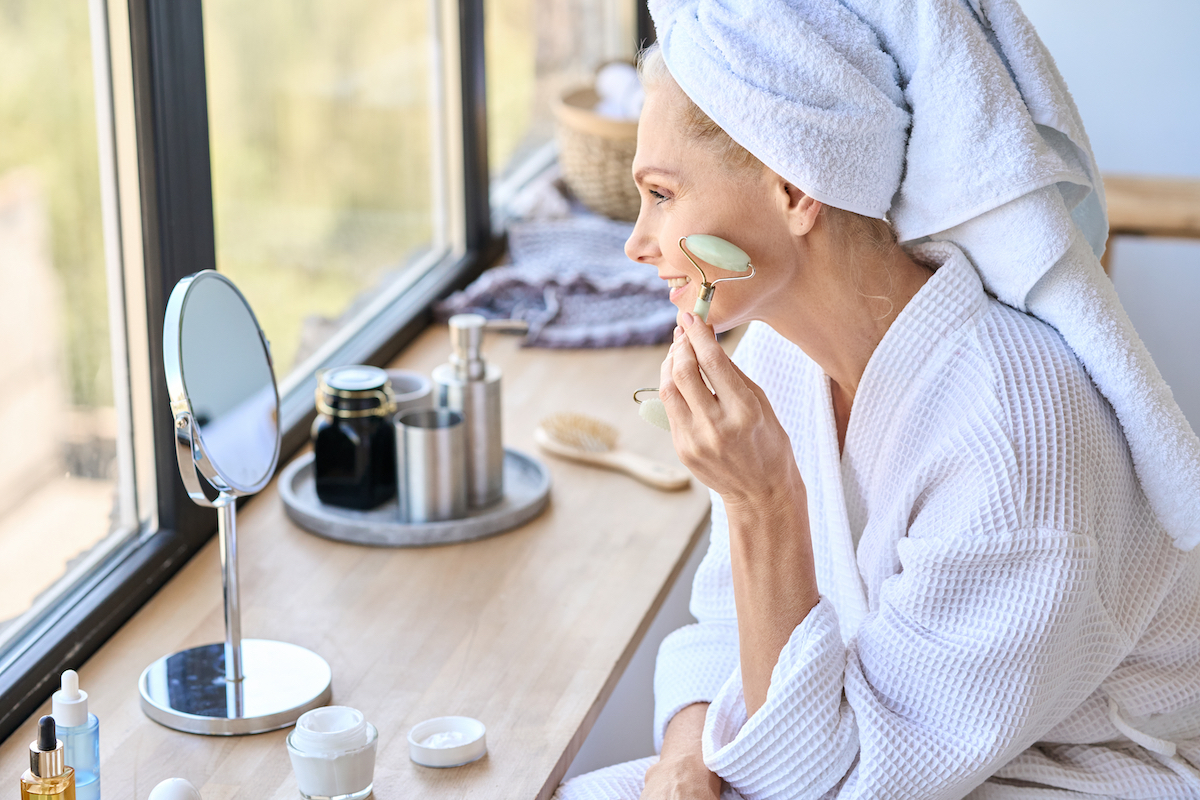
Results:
80 735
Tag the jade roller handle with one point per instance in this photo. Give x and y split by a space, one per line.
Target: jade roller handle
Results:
704 301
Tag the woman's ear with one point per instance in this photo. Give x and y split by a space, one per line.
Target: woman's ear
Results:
800 209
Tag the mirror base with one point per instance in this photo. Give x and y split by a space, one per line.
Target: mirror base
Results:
187 691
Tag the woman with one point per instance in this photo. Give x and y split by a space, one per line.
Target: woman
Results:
944 562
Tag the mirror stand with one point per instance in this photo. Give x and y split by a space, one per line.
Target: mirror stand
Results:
239 686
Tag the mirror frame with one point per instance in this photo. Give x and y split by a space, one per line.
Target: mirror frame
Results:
189 444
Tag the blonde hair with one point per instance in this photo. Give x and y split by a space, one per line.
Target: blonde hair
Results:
698 126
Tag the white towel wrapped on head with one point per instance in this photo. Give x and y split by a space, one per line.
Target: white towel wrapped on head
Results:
949 119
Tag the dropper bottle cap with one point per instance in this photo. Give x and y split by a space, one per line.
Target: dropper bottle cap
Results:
69 706
46 752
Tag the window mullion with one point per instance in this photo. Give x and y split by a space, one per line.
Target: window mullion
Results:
473 85
171 111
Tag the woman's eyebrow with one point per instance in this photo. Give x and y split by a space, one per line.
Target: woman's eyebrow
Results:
644 171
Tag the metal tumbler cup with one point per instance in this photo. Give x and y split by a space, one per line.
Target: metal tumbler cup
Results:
431 472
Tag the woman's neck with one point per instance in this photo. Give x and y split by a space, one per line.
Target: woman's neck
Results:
842 305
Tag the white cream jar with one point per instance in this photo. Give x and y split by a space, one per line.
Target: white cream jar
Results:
333 754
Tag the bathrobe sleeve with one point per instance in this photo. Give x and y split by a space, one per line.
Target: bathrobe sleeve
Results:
977 647
696 660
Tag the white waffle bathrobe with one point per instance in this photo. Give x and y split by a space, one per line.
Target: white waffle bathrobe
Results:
992 581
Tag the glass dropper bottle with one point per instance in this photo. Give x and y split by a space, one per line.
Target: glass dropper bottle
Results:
48 775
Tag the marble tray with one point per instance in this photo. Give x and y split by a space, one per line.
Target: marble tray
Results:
526 493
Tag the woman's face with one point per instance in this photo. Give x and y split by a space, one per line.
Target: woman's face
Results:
685 190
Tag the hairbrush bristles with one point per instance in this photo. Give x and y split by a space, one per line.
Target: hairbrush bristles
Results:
578 430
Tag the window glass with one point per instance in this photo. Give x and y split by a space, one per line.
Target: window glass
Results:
59 470
321 120
537 49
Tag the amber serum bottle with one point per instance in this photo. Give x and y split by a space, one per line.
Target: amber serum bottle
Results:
48 775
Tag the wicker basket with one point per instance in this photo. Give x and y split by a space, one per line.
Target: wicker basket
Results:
596 156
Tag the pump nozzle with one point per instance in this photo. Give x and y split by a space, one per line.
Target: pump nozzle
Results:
466 340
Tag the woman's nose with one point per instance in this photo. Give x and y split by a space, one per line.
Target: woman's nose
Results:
641 246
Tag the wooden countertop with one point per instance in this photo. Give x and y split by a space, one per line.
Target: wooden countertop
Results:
528 631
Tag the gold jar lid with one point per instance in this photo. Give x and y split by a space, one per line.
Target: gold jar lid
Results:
354 392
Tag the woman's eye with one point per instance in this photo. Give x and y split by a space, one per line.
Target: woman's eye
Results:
658 198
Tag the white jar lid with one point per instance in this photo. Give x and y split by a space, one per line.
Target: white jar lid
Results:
330 731
447 741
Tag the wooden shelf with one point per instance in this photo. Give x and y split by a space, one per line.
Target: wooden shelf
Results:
528 631
1146 206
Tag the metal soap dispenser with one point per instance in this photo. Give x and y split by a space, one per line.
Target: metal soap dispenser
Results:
471 386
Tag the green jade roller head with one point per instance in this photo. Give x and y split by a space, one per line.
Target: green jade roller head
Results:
721 254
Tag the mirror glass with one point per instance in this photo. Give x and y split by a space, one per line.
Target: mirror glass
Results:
228 378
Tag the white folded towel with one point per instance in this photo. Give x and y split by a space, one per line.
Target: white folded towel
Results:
949 119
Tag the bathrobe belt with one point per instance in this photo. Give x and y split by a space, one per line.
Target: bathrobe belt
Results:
1157 733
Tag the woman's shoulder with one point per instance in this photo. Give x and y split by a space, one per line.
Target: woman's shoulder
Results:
1015 386
1037 380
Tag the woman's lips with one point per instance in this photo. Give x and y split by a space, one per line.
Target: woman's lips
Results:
678 287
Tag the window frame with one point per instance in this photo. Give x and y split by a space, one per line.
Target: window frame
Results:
165 230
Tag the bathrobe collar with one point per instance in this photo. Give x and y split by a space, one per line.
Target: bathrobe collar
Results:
947 301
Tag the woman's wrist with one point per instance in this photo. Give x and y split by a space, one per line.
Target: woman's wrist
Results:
781 507
785 492
681 763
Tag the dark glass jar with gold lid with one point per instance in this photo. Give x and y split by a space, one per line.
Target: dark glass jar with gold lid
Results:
354 441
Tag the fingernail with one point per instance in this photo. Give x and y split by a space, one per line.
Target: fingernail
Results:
687 319
678 332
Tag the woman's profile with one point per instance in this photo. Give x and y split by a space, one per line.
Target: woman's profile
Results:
954 504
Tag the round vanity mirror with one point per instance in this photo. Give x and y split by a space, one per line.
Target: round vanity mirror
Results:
225 410
222 375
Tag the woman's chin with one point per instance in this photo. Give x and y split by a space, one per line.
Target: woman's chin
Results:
688 302
684 305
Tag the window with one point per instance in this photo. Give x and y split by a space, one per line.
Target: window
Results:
331 156
323 119
66 485
535 51
345 174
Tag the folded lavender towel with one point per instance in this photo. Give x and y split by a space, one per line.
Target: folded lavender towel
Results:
571 281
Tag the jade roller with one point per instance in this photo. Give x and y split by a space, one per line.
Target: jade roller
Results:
652 410
722 255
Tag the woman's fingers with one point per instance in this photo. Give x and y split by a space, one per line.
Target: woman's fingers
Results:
711 357
676 406
685 373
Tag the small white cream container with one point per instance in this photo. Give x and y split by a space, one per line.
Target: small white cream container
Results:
333 754
410 390
447 741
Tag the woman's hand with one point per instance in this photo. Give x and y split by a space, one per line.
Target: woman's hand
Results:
680 773
731 440
728 437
